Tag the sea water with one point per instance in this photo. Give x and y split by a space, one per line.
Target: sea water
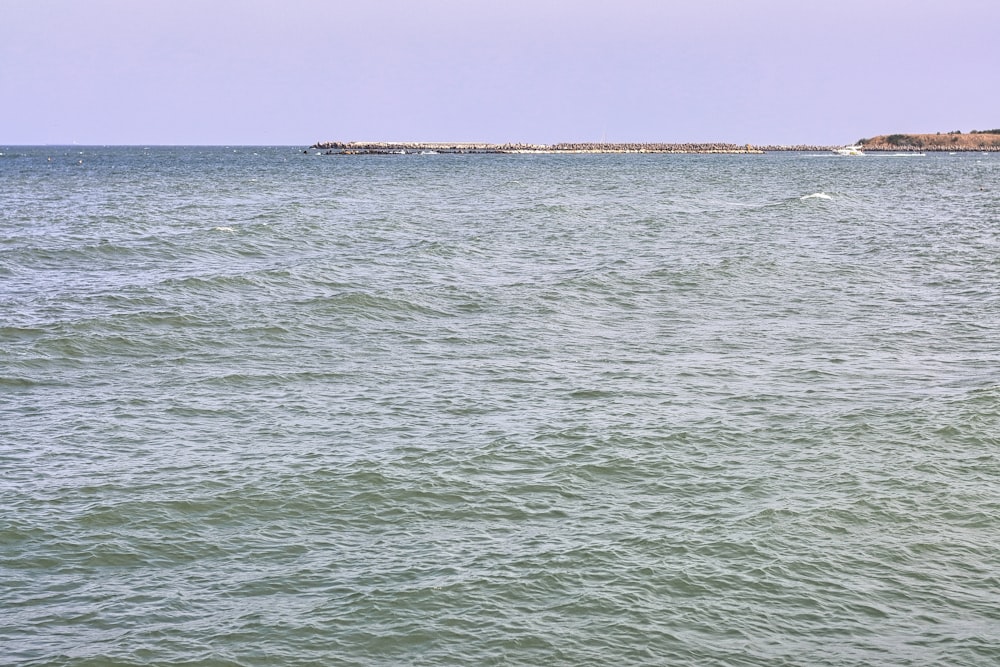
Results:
260 407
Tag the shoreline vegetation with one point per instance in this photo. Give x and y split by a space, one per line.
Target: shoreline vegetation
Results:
952 142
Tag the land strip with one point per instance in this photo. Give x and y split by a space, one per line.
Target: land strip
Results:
385 148
952 142
988 140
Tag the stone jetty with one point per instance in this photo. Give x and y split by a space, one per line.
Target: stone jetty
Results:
806 148
389 148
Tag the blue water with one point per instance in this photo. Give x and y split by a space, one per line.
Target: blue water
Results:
259 407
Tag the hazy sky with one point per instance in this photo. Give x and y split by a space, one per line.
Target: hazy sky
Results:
298 71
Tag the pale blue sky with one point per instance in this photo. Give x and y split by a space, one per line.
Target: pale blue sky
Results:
297 71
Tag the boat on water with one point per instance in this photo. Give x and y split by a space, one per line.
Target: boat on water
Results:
848 150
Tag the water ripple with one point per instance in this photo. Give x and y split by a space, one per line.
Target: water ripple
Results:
258 407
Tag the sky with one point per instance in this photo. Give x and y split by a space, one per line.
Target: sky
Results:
293 72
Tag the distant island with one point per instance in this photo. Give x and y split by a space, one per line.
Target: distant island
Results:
976 140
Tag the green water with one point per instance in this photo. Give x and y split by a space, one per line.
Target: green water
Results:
266 408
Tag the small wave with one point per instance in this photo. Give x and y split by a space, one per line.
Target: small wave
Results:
17 333
816 195
18 382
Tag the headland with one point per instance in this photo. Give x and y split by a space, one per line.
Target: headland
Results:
988 140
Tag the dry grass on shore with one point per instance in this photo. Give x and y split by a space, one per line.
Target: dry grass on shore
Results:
952 141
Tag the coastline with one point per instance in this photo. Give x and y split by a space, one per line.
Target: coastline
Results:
951 142
894 144
389 148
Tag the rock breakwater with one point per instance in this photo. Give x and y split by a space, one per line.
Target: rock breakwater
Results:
388 148
805 148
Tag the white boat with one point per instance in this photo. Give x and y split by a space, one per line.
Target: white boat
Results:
848 150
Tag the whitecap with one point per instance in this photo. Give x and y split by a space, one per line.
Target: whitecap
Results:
223 229
816 195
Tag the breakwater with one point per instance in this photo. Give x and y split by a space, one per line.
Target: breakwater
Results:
389 148
802 148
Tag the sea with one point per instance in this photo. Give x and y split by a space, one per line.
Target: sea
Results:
260 406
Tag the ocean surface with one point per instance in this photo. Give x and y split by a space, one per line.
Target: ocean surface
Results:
261 408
